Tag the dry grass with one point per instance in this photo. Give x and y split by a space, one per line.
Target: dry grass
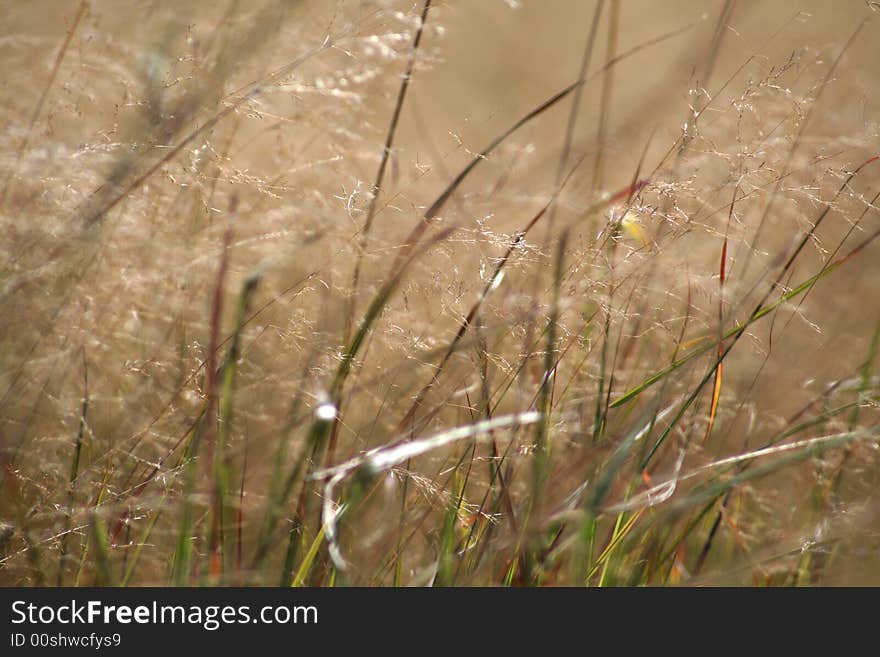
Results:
274 313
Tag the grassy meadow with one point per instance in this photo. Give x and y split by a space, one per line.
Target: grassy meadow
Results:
440 293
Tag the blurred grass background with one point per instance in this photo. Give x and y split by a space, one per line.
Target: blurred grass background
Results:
141 137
